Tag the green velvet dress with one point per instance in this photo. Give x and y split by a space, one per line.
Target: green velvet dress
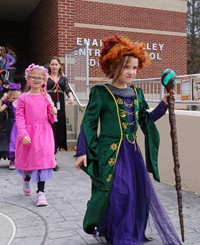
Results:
102 149
122 194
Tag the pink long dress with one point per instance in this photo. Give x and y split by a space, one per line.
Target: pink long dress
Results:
33 119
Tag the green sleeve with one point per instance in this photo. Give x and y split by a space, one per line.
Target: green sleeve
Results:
90 123
152 138
89 126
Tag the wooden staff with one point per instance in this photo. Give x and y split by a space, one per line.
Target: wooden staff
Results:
168 80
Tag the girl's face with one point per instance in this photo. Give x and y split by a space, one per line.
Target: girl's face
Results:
14 96
129 71
54 66
36 79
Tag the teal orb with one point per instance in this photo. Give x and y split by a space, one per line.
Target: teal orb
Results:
168 76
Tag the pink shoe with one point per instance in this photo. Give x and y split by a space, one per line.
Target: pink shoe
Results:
41 199
12 165
27 188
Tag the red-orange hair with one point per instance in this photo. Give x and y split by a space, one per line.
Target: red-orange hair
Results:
116 47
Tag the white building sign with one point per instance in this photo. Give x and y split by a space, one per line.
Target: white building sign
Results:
154 49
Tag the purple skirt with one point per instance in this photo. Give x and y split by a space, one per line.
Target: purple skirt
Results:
12 145
37 175
133 202
8 137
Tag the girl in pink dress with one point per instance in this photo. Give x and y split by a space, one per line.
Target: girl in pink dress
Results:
35 142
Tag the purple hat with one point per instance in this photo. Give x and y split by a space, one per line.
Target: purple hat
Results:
14 86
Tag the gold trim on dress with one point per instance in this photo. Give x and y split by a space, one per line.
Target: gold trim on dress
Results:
124 125
111 161
122 113
119 101
109 178
113 147
135 102
119 120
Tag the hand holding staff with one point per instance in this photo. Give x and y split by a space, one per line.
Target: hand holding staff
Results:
168 80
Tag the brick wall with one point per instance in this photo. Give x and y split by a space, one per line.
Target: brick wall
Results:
174 54
53 32
66 18
52 29
43 32
125 16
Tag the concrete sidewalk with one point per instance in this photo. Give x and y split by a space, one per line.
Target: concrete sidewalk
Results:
60 223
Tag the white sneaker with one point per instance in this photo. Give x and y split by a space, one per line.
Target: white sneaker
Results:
41 199
12 165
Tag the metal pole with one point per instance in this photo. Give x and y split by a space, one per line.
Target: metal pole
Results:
87 71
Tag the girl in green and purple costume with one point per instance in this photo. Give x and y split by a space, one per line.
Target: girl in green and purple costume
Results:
123 199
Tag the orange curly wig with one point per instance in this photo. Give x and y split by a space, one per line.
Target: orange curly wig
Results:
116 47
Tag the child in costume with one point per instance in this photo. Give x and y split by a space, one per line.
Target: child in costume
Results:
6 60
4 87
123 200
8 129
2 78
35 143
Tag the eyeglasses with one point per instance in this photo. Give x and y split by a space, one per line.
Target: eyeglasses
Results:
39 79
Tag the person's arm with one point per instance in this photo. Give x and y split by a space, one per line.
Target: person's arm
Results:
69 92
67 88
81 157
70 98
161 108
52 112
159 111
11 60
20 118
81 145
88 139
3 106
51 109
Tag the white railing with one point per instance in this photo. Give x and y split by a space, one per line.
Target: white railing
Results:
77 70
187 89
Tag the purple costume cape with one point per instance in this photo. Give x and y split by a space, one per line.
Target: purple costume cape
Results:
8 132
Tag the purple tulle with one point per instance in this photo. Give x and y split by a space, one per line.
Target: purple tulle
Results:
37 175
8 134
13 137
133 202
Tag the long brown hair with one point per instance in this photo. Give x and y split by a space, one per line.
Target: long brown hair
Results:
60 72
